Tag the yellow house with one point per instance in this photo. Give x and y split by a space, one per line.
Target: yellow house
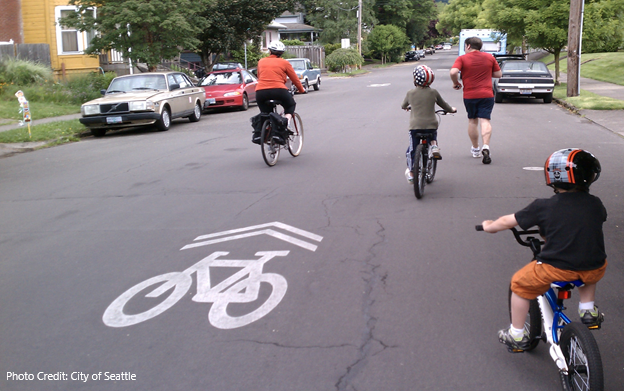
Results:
67 45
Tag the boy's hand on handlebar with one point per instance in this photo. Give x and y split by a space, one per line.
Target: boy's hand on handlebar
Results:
454 110
488 224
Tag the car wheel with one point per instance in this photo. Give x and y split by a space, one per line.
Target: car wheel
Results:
197 112
498 97
317 86
292 89
548 98
305 85
98 132
165 120
245 105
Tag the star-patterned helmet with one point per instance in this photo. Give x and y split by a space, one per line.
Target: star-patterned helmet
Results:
423 76
571 167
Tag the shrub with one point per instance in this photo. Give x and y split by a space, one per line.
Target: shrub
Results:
22 72
330 47
343 59
293 42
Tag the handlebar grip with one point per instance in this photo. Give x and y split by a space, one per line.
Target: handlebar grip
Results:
479 227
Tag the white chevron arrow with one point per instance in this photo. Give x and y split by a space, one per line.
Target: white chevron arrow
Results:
256 230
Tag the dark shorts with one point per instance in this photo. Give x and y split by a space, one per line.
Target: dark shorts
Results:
280 94
479 108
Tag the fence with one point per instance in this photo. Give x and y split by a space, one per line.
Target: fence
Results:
35 52
316 54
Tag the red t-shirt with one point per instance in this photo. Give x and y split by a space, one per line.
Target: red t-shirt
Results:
476 74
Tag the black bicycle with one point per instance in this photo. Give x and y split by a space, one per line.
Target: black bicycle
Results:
424 166
272 139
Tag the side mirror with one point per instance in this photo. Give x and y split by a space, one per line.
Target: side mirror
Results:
103 92
174 86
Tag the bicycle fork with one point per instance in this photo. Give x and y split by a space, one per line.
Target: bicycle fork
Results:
552 327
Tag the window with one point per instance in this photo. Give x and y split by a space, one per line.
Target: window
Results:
68 39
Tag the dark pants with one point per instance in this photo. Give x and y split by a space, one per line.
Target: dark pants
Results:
280 94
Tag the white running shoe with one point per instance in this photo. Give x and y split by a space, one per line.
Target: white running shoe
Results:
435 152
409 176
476 152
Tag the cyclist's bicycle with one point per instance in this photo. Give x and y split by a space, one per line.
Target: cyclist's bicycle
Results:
273 140
572 346
424 166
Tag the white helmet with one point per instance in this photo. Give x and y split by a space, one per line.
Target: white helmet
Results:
277 47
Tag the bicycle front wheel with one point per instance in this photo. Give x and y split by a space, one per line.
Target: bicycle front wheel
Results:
419 171
432 166
533 322
295 141
270 147
583 359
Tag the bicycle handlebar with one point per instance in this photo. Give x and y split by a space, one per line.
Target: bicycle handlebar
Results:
532 242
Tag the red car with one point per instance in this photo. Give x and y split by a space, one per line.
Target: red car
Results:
229 88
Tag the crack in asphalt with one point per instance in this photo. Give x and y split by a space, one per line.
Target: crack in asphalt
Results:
372 280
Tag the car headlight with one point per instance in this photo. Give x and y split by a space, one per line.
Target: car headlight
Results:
90 109
141 106
235 93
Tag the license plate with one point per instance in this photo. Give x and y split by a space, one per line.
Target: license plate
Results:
525 91
211 101
113 120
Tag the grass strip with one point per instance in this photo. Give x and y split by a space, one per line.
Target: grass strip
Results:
588 100
57 132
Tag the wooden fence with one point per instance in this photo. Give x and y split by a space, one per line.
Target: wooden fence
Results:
35 52
316 54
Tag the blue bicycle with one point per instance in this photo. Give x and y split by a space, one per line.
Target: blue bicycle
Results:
572 346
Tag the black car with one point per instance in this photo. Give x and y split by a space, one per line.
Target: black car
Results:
524 78
412 55
501 58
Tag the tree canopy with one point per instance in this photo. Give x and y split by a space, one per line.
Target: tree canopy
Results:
388 41
143 30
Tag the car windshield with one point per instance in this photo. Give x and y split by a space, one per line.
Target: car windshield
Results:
298 65
138 82
222 78
524 66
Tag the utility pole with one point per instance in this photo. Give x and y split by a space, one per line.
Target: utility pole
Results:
575 32
359 38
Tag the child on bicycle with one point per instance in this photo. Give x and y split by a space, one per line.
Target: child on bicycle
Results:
421 101
571 224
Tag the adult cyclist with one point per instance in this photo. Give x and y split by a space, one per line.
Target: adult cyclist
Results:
272 74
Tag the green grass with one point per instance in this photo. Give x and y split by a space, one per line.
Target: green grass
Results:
59 132
348 74
588 100
608 67
38 110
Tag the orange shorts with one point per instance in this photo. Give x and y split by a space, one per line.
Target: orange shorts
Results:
534 279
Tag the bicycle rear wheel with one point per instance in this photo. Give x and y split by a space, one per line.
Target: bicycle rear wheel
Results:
432 166
583 358
533 322
270 148
295 141
419 171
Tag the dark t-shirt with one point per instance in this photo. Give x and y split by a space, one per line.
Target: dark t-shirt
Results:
571 224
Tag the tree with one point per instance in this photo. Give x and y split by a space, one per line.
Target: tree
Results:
460 14
603 26
387 41
233 22
142 30
338 19
413 16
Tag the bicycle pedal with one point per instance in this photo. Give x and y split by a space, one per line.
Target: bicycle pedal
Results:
512 350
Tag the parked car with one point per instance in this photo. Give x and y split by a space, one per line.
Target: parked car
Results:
501 58
439 47
429 50
421 53
227 65
412 55
229 88
144 99
447 46
524 78
308 75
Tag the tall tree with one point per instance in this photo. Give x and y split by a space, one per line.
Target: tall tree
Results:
413 16
603 26
143 30
387 41
338 19
233 22
460 14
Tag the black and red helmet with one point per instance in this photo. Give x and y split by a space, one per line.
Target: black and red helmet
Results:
571 168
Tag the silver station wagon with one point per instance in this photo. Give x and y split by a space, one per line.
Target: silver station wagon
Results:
145 99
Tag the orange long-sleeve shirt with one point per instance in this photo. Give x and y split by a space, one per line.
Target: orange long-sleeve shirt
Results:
272 73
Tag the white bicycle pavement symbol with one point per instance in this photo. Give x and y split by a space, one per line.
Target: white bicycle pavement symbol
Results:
241 287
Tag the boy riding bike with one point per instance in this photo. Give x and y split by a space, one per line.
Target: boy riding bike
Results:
421 101
571 223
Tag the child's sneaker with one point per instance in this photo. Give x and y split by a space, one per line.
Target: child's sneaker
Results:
592 318
435 152
409 176
514 345
476 152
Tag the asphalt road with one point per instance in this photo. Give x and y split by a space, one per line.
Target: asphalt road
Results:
378 290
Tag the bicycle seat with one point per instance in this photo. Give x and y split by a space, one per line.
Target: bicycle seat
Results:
567 285
273 102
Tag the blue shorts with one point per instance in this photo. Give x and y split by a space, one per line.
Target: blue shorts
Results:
479 108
